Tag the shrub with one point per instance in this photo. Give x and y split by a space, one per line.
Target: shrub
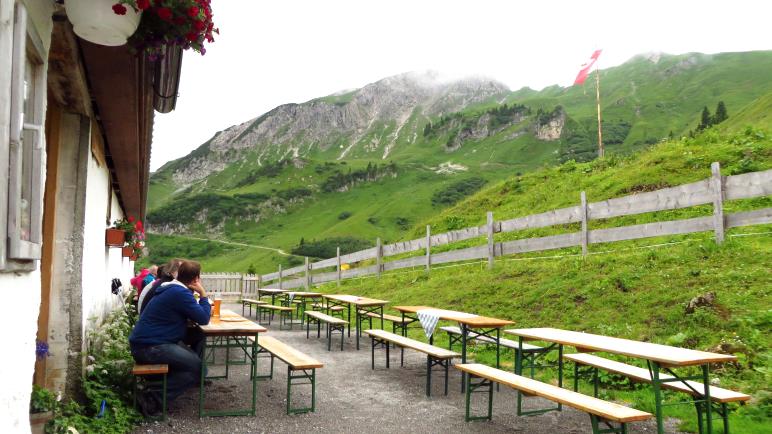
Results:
327 248
457 191
344 215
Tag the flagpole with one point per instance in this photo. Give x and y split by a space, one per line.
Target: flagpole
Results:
597 98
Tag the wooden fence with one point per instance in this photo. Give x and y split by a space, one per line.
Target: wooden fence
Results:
714 190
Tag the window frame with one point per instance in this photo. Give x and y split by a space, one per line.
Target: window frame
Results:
26 47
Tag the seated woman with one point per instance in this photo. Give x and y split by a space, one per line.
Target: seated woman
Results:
161 333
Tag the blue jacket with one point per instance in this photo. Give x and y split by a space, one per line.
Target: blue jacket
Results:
165 318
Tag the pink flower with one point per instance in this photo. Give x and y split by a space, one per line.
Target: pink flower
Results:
164 13
119 9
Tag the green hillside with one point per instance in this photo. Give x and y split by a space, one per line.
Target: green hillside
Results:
316 196
638 289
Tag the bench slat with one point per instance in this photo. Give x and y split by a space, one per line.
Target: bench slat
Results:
503 342
387 317
436 352
274 307
251 301
640 374
150 369
325 318
599 407
294 358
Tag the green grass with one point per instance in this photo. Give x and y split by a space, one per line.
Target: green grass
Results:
637 294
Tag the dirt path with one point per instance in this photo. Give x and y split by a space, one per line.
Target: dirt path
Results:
352 398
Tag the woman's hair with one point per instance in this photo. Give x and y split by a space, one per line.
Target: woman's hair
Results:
188 272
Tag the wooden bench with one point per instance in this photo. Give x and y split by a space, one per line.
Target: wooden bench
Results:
250 302
333 324
600 411
717 395
285 313
331 310
434 355
146 370
397 322
300 368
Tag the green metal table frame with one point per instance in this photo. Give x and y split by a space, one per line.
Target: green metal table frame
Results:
304 300
294 377
493 333
486 386
329 330
231 341
703 404
431 362
377 309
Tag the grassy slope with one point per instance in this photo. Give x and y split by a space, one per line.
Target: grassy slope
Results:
633 292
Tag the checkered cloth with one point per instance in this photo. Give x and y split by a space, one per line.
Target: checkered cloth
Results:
429 319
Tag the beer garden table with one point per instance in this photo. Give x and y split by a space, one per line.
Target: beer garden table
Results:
231 326
368 305
273 292
483 326
658 357
305 297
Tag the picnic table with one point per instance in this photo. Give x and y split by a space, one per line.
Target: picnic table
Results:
658 358
482 325
367 305
237 329
273 292
304 297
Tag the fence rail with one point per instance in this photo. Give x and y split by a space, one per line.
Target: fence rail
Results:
714 190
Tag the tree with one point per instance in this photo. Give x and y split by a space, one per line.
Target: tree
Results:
251 269
720 115
706 120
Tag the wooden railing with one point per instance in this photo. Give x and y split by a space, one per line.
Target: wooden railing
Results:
714 190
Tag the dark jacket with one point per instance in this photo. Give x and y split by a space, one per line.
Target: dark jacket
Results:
165 320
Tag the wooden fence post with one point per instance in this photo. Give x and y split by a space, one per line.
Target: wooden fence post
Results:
280 277
308 275
717 185
583 212
337 268
491 252
259 281
378 256
428 248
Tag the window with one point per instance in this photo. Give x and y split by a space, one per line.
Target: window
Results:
25 144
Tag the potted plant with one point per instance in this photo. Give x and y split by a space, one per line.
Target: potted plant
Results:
167 24
102 21
42 401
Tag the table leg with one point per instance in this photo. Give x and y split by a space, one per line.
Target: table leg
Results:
656 382
201 385
381 317
349 319
708 403
560 372
498 354
464 334
254 375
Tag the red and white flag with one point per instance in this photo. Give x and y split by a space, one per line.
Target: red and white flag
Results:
585 71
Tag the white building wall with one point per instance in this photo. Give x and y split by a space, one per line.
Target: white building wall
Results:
18 325
20 291
100 263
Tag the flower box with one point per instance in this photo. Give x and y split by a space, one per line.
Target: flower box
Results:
114 237
133 256
97 21
127 251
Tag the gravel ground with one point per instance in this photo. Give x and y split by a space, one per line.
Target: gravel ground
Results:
350 397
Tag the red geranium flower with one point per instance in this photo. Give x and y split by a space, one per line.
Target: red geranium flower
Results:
199 25
143 4
119 9
131 219
193 12
164 13
192 36
179 20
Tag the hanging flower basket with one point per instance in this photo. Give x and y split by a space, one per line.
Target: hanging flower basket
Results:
127 251
98 21
114 237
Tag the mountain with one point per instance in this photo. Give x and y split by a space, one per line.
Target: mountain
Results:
377 161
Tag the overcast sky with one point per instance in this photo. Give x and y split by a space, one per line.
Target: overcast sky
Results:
275 52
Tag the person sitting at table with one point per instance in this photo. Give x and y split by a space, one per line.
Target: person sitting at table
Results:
166 273
161 331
